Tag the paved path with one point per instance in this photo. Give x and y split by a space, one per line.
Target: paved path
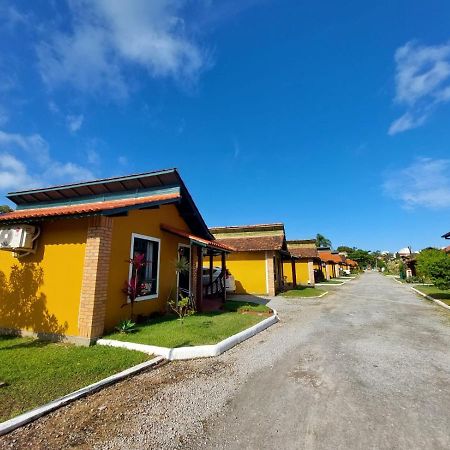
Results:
367 367
371 372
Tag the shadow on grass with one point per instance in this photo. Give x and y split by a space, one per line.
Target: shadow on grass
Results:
32 343
440 295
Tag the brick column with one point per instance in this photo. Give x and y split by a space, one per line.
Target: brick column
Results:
270 273
311 272
94 287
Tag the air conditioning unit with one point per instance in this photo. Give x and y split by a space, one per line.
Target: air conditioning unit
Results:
18 237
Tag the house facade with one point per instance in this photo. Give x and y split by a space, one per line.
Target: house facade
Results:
257 260
305 253
71 284
330 263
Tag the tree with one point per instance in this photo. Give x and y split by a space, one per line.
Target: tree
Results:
322 241
362 257
344 248
434 265
5 209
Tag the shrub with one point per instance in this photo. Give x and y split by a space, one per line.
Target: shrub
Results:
126 326
434 264
182 308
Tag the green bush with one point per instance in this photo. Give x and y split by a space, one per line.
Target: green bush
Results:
434 264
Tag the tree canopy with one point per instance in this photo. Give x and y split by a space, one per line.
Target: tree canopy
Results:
322 241
5 209
344 248
363 257
434 264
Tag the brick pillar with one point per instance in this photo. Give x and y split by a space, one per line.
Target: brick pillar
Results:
94 287
270 273
311 272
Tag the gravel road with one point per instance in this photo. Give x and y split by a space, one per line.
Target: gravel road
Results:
366 367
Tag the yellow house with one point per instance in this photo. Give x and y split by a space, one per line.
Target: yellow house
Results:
305 253
66 251
328 263
331 263
257 260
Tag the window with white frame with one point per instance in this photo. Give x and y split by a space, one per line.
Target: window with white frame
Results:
147 248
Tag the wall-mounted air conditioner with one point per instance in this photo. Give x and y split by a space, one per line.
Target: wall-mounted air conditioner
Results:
18 238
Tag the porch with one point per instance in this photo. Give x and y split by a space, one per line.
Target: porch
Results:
206 286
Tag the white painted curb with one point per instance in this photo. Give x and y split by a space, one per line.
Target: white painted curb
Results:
430 298
331 284
30 416
199 351
316 296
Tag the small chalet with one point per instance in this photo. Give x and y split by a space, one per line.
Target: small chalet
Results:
66 250
257 260
330 262
304 251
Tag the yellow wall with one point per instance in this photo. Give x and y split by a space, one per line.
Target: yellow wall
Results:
330 270
41 292
249 271
301 271
146 222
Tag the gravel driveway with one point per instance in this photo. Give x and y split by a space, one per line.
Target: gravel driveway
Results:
367 367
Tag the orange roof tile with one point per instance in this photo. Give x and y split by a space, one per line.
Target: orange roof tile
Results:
188 235
84 208
330 257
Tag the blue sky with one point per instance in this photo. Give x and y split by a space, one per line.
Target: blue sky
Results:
331 117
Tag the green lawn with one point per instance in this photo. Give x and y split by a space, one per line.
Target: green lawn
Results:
199 329
332 281
37 372
438 294
303 292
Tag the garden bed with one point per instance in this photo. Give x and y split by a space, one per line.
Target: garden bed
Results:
304 292
439 294
198 329
36 372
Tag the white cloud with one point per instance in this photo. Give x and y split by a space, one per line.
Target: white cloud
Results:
93 156
74 123
110 36
11 17
424 183
13 173
26 162
407 122
422 82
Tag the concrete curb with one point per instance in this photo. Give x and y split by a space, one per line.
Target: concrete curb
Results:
330 284
430 298
199 351
316 296
30 416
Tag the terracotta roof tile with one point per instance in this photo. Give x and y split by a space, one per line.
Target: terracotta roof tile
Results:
254 243
303 252
84 208
188 235
330 257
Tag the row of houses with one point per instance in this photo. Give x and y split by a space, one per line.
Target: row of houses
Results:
264 262
67 249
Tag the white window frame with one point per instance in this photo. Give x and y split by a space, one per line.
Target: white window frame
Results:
130 271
